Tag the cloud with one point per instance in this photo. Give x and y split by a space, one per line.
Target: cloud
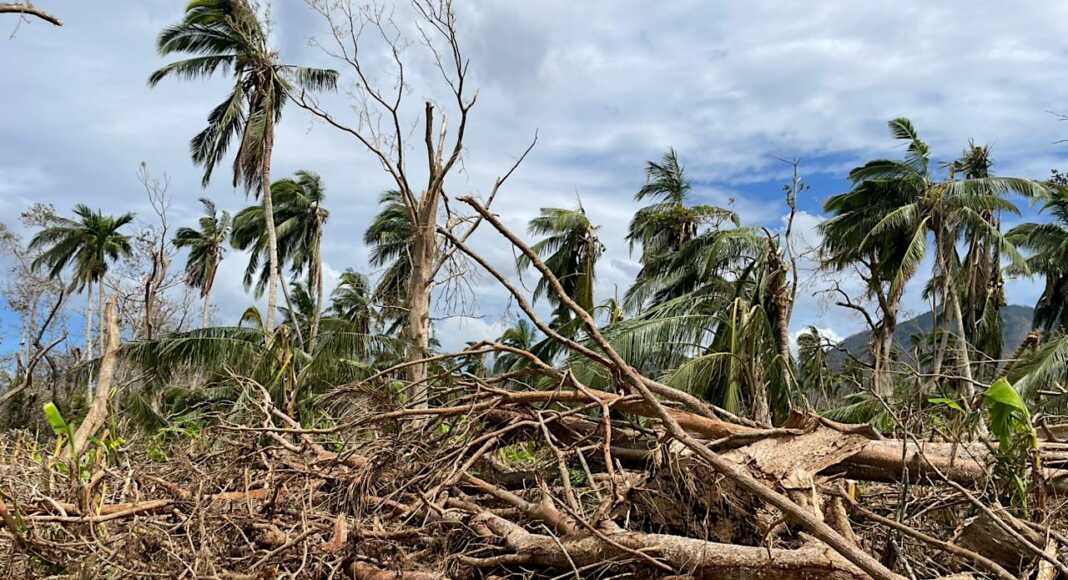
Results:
608 84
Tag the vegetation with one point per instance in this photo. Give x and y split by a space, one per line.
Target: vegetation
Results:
681 430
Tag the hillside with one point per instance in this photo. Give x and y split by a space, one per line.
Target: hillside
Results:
1015 324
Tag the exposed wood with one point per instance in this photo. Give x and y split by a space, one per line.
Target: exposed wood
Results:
98 411
29 10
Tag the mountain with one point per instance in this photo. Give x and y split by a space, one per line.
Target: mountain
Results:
1015 324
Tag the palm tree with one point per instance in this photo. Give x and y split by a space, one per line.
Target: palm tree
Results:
521 335
814 373
981 283
902 201
570 249
390 238
299 218
665 227
88 244
206 249
1048 244
229 35
351 300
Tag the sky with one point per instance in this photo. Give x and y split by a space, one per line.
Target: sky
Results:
606 84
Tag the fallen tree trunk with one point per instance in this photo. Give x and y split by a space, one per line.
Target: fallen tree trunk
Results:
885 460
691 557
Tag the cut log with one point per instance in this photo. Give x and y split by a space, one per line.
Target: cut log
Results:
983 535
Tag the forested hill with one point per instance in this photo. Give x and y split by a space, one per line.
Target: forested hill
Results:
1015 324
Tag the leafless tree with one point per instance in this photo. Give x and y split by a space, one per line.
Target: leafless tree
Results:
387 127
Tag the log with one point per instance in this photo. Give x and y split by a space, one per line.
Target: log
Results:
983 535
875 460
365 571
698 559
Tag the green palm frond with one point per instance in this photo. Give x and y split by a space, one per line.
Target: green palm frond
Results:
229 37
88 245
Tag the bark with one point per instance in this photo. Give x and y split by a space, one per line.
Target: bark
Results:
103 322
983 535
424 256
88 354
365 571
761 408
268 216
205 310
205 293
315 272
962 346
696 558
98 412
938 319
884 352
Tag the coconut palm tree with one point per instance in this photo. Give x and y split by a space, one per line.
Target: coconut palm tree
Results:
351 300
229 36
570 249
88 244
521 335
814 373
904 200
666 226
299 218
1048 246
390 238
206 250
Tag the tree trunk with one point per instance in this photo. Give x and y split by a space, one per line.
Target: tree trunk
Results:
98 410
315 284
424 254
883 353
962 345
100 306
88 354
761 408
938 319
268 216
205 313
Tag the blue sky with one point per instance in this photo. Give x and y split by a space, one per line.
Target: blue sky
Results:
607 84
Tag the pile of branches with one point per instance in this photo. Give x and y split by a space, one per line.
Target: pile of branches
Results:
570 482
552 480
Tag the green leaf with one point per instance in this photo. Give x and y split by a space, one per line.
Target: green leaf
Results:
1009 415
944 402
55 419
1002 393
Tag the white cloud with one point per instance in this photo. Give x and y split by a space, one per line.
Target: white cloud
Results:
608 84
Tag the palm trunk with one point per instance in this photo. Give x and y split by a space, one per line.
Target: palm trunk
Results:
293 318
937 320
268 216
100 306
883 355
761 408
88 354
962 344
205 313
315 272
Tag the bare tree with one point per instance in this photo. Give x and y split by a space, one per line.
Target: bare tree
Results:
150 298
156 188
385 122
